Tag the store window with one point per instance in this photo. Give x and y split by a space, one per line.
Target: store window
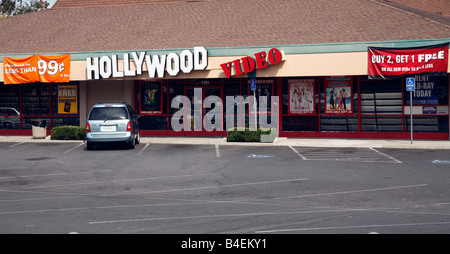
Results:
151 104
65 105
10 107
381 105
339 104
300 104
238 114
430 104
35 103
20 104
361 105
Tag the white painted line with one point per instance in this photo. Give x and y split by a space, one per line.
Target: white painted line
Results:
143 149
11 146
12 168
70 150
209 187
217 151
299 154
354 227
390 157
39 199
354 191
437 204
44 192
194 203
114 181
54 174
227 215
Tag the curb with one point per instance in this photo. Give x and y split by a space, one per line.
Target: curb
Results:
280 141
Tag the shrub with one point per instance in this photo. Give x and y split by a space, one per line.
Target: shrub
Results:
68 133
248 135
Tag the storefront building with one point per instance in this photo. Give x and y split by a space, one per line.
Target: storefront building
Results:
303 83
321 90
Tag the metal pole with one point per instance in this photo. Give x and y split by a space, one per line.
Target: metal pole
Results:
255 108
411 115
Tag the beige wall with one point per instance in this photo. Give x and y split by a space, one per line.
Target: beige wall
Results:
92 92
329 64
297 65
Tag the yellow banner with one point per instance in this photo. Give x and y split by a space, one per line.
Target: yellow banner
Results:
37 68
67 100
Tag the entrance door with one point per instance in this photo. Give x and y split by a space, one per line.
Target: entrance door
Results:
203 121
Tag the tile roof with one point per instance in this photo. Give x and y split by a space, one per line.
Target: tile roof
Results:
157 24
90 3
440 7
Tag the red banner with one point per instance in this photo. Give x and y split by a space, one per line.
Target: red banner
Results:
389 62
37 68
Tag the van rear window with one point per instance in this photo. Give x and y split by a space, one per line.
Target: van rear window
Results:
108 113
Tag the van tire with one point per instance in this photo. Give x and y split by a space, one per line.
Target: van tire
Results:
90 146
138 138
132 143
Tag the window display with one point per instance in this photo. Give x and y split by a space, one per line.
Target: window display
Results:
338 91
150 98
21 104
301 96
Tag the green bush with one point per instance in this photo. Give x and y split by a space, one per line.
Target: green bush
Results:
68 133
247 135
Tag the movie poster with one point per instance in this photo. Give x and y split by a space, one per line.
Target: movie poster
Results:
338 95
151 98
263 93
67 99
301 96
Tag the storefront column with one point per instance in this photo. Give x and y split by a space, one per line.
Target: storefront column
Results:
83 103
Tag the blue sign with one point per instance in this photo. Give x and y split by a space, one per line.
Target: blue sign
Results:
425 90
410 84
253 84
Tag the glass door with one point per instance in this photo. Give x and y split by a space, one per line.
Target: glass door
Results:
206 116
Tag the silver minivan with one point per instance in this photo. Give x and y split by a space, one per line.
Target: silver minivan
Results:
112 122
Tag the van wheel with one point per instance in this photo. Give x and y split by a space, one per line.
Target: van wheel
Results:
132 144
90 146
138 138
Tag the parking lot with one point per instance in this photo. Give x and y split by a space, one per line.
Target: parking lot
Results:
205 189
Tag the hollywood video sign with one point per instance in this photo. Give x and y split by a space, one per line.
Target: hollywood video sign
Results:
157 65
249 64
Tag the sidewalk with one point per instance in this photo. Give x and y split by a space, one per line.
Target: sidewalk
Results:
298 142
308 142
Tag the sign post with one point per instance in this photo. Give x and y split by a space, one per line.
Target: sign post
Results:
410 86
253 88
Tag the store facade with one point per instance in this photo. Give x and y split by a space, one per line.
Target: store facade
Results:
317 90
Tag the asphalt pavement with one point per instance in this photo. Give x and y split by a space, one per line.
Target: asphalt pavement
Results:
209 186
301 142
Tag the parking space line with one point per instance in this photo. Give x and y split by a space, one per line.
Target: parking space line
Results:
11 146
114 181
230 215
349 154
299 154
211 187
54 174
352 191
390 157
70 150
217 151
143 149
439 223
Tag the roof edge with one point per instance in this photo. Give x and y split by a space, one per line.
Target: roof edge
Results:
345 47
